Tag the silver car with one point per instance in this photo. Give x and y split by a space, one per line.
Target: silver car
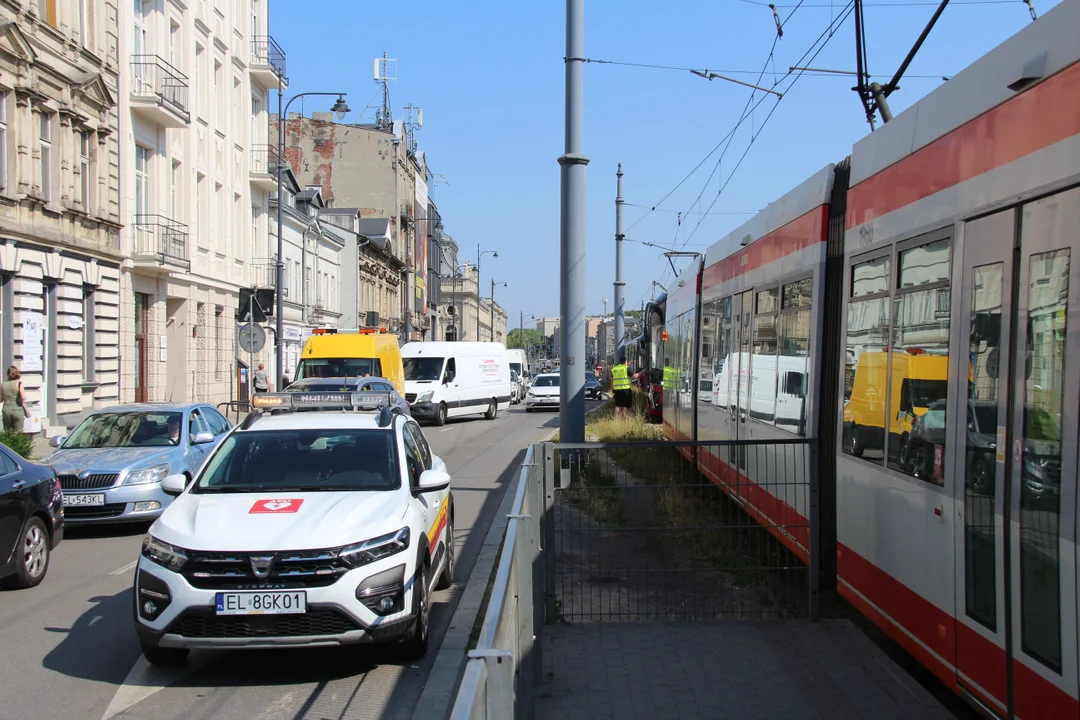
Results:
111 466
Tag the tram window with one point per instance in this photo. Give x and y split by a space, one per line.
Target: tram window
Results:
723 365
763 367
797 294
1040 490
867 350
793 360
919 363
766 301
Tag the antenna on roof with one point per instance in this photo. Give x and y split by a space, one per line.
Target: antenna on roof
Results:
385 73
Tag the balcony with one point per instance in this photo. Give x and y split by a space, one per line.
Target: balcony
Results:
267 62
159 92
264 274
264 167
160 244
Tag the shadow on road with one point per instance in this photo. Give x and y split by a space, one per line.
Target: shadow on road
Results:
94 532
100 645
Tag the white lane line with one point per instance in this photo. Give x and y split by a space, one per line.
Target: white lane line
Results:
446 429
145 679
130 566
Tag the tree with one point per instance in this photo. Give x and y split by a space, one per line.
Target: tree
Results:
521 339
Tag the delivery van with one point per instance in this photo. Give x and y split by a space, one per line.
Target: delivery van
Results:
333 352
520 364
455 379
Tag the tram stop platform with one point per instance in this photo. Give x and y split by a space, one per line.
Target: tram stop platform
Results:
791 669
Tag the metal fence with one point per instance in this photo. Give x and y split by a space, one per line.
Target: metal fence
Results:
234 410
155 78
162 239
682 530
505 667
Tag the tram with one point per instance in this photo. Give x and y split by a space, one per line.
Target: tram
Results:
909 307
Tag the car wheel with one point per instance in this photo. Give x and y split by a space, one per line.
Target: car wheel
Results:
492 411
855 446
447 577
163 656
440 415
31 555
413 646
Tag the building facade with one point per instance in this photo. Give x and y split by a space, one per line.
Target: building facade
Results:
196 170
60 252
371 273
477 319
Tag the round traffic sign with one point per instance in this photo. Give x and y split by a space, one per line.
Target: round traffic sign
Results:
252 337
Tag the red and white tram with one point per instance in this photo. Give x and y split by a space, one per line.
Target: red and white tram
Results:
909 307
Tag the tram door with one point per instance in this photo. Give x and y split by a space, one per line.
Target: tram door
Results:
740 379
1014 429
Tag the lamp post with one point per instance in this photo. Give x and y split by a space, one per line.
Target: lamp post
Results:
340 108
491 330
479 254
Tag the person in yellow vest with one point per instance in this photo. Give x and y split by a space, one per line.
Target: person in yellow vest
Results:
620 387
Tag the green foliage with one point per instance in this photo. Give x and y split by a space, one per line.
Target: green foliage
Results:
19 443
530 336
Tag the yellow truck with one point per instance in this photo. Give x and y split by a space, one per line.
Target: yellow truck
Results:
333 352
918 380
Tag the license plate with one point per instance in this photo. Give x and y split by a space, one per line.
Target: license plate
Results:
293 602
83 500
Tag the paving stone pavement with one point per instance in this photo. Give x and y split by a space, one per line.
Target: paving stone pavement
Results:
726 669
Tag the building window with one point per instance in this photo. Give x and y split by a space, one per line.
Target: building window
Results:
200 208
45 139
142 181
175 190
84 170
238 109
238 230
222 354
47 11
200 81
219 218
3 141
84 23
219 97
176 58
89 334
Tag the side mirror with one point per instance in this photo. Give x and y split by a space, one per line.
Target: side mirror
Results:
449 377
202 438
431 480
174 484
58 441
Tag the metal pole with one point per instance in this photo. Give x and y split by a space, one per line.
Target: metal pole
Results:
279 301
406 296
251 346
477 292
619 332
491 314
572 235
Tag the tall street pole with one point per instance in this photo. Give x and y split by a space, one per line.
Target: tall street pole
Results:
279 280
572 236
491 320
619 331
477 292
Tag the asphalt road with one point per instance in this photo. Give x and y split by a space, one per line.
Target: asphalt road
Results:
70 651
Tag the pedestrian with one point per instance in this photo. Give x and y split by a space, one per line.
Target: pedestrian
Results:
14 399
285 382
262 382
620 386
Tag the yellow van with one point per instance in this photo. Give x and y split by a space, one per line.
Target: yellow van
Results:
333 352
918 380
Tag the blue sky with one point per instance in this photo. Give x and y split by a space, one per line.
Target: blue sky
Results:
489 77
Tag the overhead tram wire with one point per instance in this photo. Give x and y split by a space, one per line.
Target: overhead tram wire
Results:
826 35
888 4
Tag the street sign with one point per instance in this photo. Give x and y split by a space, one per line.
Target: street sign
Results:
252 338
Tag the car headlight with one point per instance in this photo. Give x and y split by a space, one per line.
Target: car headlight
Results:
530 394
154 474
167 556
426 397
368 551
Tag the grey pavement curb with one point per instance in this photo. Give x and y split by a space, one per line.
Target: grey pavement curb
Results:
436 700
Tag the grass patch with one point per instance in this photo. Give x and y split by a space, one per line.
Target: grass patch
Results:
595 492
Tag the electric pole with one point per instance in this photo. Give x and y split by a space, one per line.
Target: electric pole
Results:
619 331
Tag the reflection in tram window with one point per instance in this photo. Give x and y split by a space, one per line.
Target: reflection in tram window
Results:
763 363
723 364
985 378
919 367
1040 499
792 363
866 367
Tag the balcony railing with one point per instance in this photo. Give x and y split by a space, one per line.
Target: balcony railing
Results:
153 77
265 51
264 159
162 239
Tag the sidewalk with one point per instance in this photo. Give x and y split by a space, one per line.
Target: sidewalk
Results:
724 669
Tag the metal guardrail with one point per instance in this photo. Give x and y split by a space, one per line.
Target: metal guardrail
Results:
152 76
266 51
234 410
505 667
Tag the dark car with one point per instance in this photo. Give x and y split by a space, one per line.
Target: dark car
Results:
593 389
368 384
31 519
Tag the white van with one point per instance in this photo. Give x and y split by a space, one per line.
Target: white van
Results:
520 362
454 379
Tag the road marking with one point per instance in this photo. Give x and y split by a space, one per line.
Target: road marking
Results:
130 566
445 429
144 679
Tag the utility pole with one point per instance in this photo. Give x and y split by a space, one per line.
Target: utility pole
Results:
572 235
619 331
406 295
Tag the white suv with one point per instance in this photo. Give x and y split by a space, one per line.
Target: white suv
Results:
311 528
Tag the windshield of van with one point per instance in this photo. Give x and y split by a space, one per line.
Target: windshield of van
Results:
423 368
338 367
925 393
516 367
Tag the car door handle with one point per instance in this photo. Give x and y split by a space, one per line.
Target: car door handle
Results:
18 484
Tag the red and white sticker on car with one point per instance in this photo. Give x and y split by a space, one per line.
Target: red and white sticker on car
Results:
285 505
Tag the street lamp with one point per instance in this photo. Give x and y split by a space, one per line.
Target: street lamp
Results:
479 254
492 308
340 109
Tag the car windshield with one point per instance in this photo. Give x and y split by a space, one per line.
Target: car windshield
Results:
547 381
302 461
986 417
322 386
126 429
590 377
338 367
423 368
